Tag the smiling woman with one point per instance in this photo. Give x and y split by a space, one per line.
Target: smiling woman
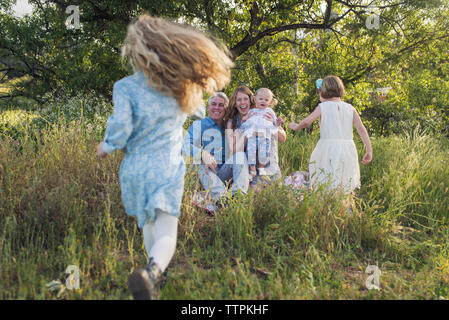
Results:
240 103
242 99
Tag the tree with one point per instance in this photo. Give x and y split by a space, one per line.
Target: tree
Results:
282 44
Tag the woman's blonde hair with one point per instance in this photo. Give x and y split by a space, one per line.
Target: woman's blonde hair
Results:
332 87
177 60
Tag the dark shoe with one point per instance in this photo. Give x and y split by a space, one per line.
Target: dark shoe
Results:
223 202
164 278
144 283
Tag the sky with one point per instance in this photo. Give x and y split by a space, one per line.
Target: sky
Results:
22 7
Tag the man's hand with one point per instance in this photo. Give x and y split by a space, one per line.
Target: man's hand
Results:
209 161
100 151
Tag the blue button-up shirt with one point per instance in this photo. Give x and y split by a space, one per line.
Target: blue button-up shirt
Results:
207 135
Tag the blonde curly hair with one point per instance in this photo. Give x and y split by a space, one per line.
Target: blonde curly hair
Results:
177 60
274 101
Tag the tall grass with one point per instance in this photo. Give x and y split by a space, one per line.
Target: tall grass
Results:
60 206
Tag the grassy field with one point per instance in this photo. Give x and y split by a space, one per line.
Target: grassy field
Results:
61 206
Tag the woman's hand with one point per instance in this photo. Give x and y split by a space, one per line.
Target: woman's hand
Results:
100 151
279 121
269 117
282 135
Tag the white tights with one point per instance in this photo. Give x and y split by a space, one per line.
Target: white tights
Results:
159 237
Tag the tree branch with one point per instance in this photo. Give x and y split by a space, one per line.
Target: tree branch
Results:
249 40
351 5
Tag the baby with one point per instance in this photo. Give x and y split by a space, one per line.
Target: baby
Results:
258 130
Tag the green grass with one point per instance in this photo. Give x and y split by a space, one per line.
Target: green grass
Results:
61 206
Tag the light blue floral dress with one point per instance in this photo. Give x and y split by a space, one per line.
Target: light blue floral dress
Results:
147 126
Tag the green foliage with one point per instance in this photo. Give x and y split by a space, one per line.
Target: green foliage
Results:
408 195
284 45
61 206
88 111
14 123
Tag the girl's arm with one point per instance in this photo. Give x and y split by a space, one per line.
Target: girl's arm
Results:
307 121
361 130
119 125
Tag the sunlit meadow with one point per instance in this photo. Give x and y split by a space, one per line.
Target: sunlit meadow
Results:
60 205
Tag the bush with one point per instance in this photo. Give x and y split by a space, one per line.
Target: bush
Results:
90 111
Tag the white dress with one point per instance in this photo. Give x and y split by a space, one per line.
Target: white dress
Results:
334 160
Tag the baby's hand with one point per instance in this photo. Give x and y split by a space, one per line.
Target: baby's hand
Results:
244 118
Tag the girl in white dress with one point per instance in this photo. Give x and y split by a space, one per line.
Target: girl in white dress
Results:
334 161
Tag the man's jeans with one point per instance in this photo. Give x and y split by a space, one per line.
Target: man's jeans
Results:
235 168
